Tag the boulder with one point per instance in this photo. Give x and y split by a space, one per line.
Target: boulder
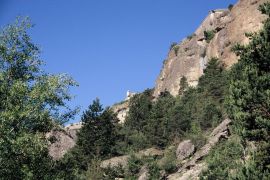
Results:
123 160
144 173
115 162
194 166
184 150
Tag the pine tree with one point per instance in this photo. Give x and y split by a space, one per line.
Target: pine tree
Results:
97 137
249 95
183 85
158 130
139 111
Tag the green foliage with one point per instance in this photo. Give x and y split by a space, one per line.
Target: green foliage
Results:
183 85
31 103
98 134
224 160
248 105
134 165
173 45
249 94
94 171
154 171
196 135
138 114
168 162
132 134
114 172
176 49
168 118
202 106
138 140
96 139
209 35
157 128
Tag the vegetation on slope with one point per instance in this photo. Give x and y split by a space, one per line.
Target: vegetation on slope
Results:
248 105
32 100
30 105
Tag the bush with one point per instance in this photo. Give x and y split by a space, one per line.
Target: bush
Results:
114 172
138 141
173 45
222 161
168 162
196 135
134 165
154 171
94 171
209 35
176 49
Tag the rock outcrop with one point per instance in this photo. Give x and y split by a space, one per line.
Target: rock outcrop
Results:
184 150
121 109
144 173
193 167
192 54
123 160
61 140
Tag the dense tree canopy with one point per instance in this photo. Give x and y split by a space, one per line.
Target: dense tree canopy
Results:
31 102
248 105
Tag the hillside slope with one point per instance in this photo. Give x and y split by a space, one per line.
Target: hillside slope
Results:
189 57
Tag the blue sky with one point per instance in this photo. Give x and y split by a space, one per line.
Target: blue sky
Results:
108 47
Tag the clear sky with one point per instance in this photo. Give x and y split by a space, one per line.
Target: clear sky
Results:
108 46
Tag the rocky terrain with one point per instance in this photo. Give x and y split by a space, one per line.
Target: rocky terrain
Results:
62 139
190 161
190 56
121 109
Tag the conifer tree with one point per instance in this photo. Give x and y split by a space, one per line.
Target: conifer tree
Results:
183 85
97 136
249 97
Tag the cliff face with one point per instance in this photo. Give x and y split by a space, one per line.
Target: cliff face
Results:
190 57
63 139
121 110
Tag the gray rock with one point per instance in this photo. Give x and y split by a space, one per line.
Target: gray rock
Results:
123 160
144 173
184 150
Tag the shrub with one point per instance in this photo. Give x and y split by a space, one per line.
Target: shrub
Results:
134 165
138 140
154 171
94 171
209 35
223 160
176 49
114 172
168 162
197 137
173 45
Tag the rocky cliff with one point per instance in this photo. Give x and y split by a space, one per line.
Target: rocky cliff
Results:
62 139
189 57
